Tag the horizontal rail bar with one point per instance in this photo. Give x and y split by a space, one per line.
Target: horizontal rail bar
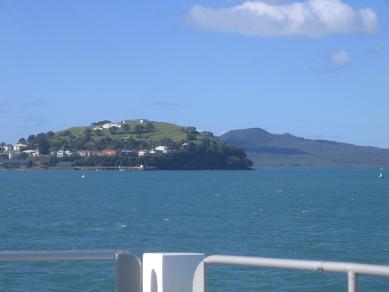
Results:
320 266
60 255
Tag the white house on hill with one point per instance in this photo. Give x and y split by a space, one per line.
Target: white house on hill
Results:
111 125
143 152
19 147
32 153
163 149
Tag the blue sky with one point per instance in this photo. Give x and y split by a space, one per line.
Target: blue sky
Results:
215 65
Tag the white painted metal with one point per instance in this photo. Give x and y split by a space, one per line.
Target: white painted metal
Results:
128 271
352 282
59 255
169 272
352 269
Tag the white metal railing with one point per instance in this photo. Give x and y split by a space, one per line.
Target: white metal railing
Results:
187 270
128 266
352 269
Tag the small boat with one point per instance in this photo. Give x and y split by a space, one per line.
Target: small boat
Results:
381 175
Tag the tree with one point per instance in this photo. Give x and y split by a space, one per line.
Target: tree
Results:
22 141
207 133
126 128
31 139
139 129
43 143
50 134
130 143
113 130
101 123
166 142
23 155
191 133
235 162
149 127
87 133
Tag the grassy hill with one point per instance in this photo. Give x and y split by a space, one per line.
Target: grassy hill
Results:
160 131
266 149
184 147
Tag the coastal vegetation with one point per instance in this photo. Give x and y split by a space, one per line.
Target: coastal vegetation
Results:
132 143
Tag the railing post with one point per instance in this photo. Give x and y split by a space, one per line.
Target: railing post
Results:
128 273
352 282
199 278
169 272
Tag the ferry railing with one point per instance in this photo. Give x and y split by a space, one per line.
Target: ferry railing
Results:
128 266
353 270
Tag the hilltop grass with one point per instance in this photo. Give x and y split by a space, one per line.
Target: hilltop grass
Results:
161 131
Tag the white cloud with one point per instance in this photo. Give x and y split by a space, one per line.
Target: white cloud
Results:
311 18
340 58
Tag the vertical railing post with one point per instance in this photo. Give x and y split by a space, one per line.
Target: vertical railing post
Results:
199 278
128 273
352 282
169 272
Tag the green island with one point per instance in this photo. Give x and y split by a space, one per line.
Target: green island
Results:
137 144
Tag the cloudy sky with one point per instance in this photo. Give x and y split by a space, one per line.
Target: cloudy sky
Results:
313 68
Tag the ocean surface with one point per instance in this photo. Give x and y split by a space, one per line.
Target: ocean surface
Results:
300 213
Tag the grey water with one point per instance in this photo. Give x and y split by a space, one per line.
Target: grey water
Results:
300 213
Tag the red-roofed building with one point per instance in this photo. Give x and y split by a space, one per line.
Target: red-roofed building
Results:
108 152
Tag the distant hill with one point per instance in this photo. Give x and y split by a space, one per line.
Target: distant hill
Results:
266 149
134 142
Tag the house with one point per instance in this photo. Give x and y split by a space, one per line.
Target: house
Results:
32 153
8 148
62 153
111 125
97 128
143 152
108 152
163 149
19 147
85 153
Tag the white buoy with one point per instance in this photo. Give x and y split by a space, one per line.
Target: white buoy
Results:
83 176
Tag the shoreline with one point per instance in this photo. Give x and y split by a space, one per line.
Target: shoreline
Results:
113 168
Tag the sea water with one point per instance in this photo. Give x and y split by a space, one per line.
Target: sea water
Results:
299 213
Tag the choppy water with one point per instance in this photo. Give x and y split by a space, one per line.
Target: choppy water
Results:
331 214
